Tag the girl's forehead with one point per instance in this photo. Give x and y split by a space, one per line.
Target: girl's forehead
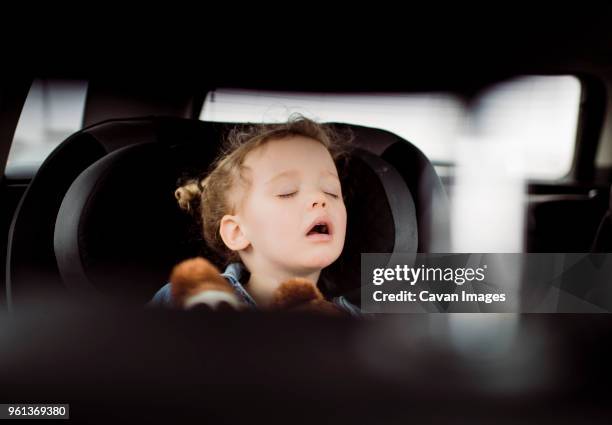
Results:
294 154
293 173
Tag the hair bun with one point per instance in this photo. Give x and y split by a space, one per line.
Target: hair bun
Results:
187 194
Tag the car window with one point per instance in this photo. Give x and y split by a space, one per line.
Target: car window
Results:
536 116
53 110
535 119
428 120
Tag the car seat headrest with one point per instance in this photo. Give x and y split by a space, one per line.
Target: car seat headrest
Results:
381 219
30 263
430 198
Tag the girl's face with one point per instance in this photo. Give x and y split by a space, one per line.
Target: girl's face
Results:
294 186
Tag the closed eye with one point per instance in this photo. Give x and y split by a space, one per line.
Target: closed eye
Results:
287 195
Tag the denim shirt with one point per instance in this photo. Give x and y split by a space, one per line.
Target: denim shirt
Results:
233 273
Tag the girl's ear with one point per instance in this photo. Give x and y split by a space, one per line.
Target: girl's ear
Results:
232 234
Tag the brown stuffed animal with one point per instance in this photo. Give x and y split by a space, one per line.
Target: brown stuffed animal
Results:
197 282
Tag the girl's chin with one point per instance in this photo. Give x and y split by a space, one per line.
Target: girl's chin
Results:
319 262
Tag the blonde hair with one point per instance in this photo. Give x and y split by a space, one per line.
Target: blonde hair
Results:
207 198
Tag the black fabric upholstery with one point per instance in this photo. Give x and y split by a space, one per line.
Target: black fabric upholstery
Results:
119 230
547 225
603 235
381 219
429 196
30 264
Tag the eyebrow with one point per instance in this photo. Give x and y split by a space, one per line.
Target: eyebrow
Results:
291 173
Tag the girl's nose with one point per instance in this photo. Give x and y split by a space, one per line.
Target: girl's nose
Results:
318 201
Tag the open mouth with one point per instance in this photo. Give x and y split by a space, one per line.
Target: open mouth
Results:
320 230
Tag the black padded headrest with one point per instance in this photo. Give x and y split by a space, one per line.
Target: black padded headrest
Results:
430 198
119 230
31 266
428 193
381 219
30 263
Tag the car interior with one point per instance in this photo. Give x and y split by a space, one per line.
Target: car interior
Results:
92 216
48 217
